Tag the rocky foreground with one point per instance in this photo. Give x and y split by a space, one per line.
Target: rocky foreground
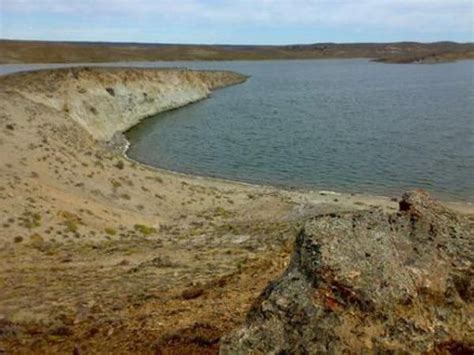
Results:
102 254
370 282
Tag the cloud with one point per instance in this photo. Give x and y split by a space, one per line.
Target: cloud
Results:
418 16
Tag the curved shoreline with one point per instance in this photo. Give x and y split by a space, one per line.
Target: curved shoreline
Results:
457 204
204 82
464 207
96 245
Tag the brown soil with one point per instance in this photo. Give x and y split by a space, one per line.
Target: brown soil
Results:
82 52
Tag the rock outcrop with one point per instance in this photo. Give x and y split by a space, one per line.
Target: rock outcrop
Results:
106 101
370 282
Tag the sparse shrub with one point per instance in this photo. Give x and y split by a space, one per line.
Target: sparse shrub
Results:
115 184
30 220
120 165
71 221
241 264
99 164
111 91
145 230
71 226
110 231
222 212
36 241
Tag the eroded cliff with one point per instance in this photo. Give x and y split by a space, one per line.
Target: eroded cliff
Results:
105 101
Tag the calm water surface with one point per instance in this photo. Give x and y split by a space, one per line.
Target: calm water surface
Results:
344 125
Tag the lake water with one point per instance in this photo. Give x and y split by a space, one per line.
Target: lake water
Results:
342 125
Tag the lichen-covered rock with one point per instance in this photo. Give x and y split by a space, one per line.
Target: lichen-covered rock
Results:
370 282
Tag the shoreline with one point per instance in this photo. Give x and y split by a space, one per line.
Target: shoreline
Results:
458 204
34 51
465 207
98 246
462 206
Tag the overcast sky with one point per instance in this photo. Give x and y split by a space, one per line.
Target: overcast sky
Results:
238 22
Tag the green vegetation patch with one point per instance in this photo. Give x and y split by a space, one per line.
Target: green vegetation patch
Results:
222 212
110 231
71 221
30 220
145 230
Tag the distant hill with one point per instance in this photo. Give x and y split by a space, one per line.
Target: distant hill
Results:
13 51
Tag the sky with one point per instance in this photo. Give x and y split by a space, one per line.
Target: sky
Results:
238 22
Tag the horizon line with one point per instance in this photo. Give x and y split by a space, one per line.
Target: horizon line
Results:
224 44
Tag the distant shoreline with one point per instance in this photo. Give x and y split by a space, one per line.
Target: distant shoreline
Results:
18 51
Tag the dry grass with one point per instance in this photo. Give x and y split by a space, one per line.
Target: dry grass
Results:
61 52
166 261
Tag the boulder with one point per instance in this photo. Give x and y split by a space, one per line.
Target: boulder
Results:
370 282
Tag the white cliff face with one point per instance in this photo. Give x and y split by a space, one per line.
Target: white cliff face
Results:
107 101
